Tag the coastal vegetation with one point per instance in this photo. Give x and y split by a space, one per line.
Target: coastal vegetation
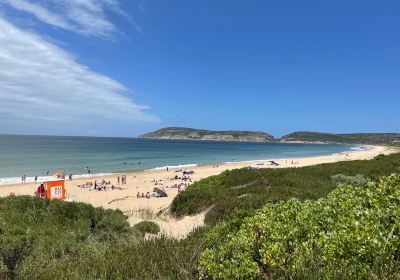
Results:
147 227
328 220
249 189
43 239
353 233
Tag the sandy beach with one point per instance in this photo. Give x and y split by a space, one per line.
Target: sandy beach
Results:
138 209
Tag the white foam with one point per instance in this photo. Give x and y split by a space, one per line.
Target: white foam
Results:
92 175
252 161
173 166
360 148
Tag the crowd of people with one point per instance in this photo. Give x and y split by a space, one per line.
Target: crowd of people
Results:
184 181
103 185
143 195
179 180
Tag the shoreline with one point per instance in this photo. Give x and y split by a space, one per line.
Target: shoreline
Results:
30 179
156 209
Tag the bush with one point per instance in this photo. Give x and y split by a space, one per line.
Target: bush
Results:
39 235
358 180
147 227
353 232
43 239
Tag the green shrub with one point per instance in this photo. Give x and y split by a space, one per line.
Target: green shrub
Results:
358 180
43 239
354 231
39 235
147 227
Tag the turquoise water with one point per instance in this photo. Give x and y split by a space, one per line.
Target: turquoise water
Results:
40 155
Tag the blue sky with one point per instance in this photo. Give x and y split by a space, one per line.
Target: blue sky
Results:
121 68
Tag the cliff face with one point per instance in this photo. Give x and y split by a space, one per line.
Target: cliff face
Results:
182 133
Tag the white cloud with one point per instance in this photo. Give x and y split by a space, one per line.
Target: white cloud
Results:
86 17
43 85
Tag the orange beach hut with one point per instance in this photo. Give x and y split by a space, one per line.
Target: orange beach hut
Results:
55 189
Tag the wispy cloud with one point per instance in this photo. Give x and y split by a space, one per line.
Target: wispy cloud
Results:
86 17
141 6
43 85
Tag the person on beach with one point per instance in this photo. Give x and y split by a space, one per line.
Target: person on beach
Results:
41 192
35 179
23 179
118 179
70 176
138 195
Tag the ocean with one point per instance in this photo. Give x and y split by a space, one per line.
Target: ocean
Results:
43 155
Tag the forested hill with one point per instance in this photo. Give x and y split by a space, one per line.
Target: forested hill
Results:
353 138
183 133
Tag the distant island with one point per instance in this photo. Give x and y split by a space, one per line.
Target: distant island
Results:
184 133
